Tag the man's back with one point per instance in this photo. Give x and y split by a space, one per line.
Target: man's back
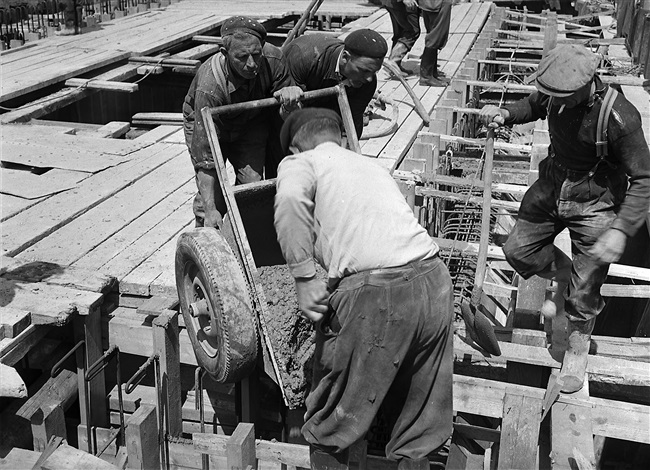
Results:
361 219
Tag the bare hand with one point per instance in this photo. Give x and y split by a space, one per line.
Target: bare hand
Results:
609 247
289 96
410 4
212 218
312 298
490 113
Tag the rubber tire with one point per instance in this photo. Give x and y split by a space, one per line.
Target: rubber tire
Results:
204 256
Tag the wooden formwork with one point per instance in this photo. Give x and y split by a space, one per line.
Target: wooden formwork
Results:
576 425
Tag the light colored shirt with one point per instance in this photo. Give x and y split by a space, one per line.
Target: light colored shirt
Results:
346 212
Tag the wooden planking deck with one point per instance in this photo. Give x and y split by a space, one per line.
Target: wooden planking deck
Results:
58 58
467 20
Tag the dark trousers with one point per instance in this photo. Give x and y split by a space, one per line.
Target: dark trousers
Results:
587 206
406 25
388 339
247 154
437 25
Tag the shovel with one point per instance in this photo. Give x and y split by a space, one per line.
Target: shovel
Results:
478 326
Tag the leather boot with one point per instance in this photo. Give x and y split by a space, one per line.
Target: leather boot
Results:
574 364
413 464
397 53
429 74
321 460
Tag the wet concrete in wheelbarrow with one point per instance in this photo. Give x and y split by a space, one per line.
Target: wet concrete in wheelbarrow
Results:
291 335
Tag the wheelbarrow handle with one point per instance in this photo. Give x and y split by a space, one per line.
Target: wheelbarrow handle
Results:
271 102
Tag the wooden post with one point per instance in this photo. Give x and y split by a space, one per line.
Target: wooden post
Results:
48 421
166 345
408 191
240 449
550 33
519 431
89 328
142 439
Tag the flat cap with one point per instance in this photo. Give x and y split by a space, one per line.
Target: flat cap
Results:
566 69
243 24
366 43
299 118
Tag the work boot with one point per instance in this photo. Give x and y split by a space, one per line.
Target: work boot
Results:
574 364
321 460
397 53
413 464
429 74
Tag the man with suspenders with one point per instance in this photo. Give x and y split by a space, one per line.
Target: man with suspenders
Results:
595 182
247 68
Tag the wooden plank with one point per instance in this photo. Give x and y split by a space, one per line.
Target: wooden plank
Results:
141 238
14 349
69 276
37 222
142 280
48 304
135 337
67 457
142 439
45 156
572 433
519 431
166 344
60 390
28 185
48 421
101 222
13 322
12 205
11 383
17 458
601 369
240 448
610 418
105 85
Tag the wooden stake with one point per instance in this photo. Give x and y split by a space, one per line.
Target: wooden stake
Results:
166 345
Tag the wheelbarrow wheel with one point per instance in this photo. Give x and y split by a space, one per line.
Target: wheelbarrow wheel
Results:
216 305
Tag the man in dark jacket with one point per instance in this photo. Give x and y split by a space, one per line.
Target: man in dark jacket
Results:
318 61
245 69
598 188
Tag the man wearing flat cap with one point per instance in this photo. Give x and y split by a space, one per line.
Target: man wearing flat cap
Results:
383 319
318 61
246 68
595 182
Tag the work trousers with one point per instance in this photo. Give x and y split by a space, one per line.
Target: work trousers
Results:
437 25
406 24
247 154
388 339
587 206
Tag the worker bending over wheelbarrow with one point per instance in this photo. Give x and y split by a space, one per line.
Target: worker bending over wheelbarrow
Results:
318 61
383 319
245 69
595 182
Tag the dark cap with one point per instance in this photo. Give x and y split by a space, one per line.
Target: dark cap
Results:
566 69
299 118
242 24
366 43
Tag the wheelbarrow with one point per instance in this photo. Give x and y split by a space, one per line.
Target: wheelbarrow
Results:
221 295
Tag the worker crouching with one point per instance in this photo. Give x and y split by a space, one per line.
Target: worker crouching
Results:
245 69
383 319
595 183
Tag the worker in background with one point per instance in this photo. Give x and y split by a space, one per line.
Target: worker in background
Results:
405 19
318 61
383 319
246 68
598 188
437 19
